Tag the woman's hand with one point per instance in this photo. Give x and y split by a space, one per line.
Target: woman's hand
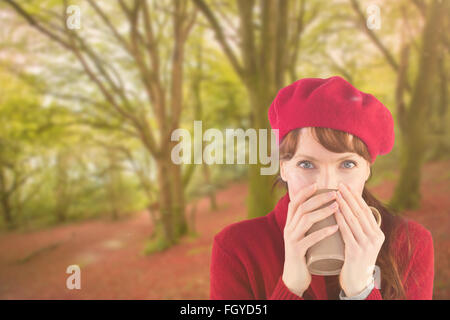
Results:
301 215
363 239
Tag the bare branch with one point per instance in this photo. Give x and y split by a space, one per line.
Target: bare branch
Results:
400 87
341 69
153 49
190 22
107 21
421 6
19 181
37 25
247 35
204 8
96 69
389 57
281 43
387 54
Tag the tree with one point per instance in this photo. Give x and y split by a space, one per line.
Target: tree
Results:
197 79
22 133
144 47
411 117
268 47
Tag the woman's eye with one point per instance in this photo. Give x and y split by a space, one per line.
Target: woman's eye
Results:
349 162
306 163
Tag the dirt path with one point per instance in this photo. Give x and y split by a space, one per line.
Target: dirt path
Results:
110 257
33 265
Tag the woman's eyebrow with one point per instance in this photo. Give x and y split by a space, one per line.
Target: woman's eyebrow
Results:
312 158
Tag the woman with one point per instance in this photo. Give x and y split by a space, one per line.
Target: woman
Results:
329 136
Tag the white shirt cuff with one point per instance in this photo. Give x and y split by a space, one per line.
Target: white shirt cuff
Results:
362 295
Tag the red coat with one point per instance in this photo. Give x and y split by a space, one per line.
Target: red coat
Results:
248 257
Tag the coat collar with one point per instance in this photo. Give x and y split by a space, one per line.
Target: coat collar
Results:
281 211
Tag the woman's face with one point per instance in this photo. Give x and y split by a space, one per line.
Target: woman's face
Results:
313 163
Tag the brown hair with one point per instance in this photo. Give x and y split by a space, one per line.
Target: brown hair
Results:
339 141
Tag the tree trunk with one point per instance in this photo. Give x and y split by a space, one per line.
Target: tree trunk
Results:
196 83
264 52
6 209
178 205
5 200
113 175
438 122
260 199
407 192
61 187
165 230
211 192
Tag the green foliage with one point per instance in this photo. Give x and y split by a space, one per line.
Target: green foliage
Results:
67 172
157 244
34 140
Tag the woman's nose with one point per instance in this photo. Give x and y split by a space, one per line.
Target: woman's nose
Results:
328 180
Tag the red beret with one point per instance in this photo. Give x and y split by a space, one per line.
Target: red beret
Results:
333 103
